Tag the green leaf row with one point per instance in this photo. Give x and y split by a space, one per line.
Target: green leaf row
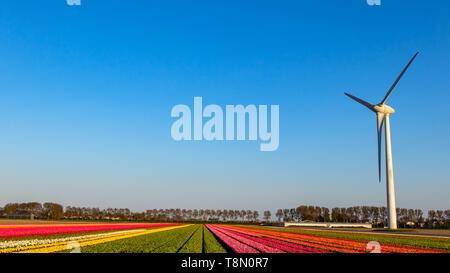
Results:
190 239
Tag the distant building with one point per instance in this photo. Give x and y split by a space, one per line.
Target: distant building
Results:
20 216
327 225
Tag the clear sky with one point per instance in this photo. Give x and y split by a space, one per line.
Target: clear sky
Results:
86 93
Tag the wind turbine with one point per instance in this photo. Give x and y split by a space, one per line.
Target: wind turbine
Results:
383 111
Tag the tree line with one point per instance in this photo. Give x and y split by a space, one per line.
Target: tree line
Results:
56 211
377 216
45 211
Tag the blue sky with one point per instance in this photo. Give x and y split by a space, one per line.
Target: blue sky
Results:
86 93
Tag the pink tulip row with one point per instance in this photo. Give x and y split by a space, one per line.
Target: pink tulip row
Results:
234 244
249 240
39 230
245 242
282 245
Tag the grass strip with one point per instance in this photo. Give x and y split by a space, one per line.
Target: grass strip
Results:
169 241
211 243
194 244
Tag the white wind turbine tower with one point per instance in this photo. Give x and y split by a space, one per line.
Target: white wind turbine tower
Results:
383 111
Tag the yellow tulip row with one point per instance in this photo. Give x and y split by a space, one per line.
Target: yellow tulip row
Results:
61 246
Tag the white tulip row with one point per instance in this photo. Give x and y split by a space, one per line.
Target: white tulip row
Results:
23 243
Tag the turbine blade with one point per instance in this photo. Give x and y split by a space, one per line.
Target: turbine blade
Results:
398 78
363 102
380 121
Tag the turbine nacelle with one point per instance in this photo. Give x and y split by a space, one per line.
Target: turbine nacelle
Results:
378 108
383 109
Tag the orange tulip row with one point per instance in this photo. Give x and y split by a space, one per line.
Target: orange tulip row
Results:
334 244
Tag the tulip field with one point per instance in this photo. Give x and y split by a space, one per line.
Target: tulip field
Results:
256 240
198 238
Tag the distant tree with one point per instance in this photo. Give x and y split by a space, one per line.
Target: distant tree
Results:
375 215
242 214
383 215
177 213
447 218
411 216
219 213
286 215
139 216
279 214
53 211
255 215
335 215
356 214
249 215
365 212
236 213
232 214
440 216
418 216
267 215
317 214
11 208
148 214
431 217
195 213
293 214
326 214
302 213
225 215
345 214
160 214
310 213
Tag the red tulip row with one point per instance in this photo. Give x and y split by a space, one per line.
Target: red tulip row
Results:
329 243
47 230
236 245
279 244
246 242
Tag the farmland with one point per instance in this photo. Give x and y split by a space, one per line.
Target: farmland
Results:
198 238
187 239
349 242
